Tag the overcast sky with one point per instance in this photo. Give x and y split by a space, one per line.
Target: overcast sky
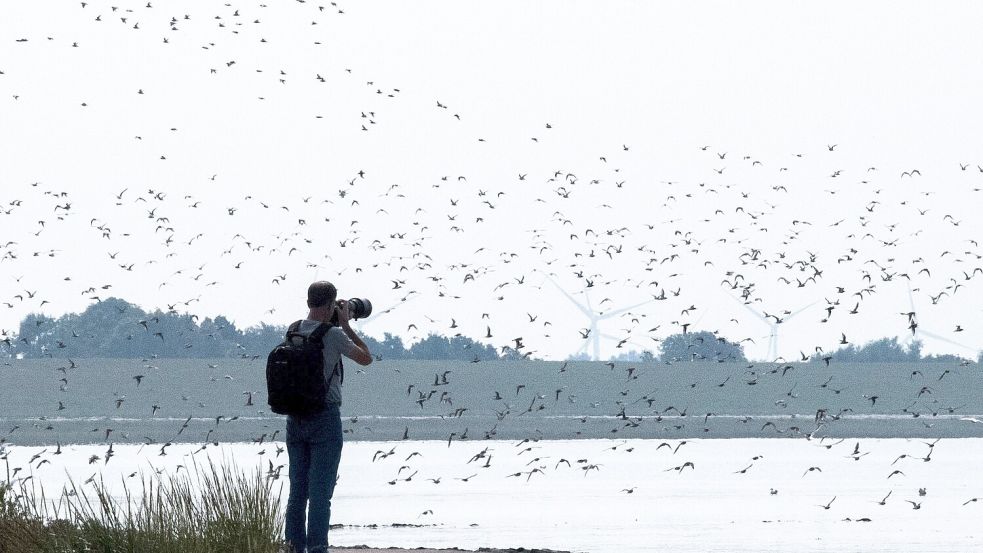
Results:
207 156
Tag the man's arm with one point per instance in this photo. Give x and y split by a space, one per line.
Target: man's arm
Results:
361 355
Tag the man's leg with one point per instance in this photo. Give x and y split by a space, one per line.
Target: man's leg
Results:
325 457
299 453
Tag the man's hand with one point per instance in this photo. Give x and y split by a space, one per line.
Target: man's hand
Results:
342 311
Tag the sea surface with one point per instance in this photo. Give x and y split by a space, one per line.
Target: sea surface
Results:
49 401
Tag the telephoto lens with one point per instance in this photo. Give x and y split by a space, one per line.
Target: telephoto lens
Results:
359 308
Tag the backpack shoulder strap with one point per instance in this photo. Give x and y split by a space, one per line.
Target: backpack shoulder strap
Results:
294 327
320 331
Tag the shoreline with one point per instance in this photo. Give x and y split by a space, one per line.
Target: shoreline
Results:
29 432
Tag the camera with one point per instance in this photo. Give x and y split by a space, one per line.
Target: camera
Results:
358 308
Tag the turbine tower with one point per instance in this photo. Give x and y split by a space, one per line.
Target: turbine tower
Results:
594 335
772 325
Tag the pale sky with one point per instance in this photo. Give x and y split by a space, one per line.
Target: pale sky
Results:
770 86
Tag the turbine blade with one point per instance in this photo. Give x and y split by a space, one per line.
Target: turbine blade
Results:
623 310
584 310
748 307
800 310
697 323
946 340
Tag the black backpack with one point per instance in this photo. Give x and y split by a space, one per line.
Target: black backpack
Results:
295 382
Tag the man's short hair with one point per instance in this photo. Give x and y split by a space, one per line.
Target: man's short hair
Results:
321 293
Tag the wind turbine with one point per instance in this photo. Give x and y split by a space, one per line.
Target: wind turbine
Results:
918 331
594 334
772 325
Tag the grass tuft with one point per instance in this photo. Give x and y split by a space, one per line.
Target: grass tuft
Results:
212 509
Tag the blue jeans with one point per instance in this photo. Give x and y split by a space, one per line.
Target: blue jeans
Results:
314 448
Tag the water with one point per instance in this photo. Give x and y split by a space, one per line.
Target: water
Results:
585 400
708 508
726 414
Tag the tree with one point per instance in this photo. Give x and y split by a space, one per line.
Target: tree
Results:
700 346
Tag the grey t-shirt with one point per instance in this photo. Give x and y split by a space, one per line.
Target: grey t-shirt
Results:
336 344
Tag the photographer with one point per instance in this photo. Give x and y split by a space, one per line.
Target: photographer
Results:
314 441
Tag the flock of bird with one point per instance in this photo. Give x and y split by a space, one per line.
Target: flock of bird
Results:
478 255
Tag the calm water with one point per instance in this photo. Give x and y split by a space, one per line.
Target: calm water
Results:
740 495
491 400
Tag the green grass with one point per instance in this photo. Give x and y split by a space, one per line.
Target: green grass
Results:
214 509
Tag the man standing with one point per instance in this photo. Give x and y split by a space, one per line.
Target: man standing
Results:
314 441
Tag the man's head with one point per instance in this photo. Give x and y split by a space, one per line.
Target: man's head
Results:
321 294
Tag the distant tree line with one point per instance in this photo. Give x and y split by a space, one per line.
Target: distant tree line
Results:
706 346
692 346
114 328
885 350
432 347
